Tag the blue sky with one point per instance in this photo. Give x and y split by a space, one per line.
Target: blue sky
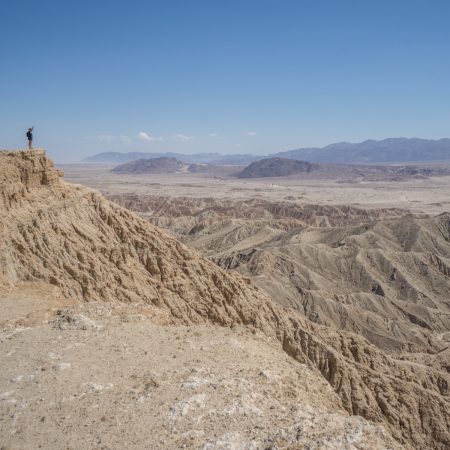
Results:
221 76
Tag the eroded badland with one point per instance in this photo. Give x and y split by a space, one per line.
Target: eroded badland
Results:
202 311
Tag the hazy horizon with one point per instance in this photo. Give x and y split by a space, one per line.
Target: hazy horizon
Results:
203 77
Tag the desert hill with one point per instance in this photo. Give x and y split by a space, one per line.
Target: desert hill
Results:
164 165
92 250
276 167
154 165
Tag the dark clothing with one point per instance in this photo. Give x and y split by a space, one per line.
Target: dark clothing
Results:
29 135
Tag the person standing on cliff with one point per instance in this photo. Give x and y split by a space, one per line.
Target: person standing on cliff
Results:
30 137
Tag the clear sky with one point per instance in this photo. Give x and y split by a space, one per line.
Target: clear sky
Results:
247 76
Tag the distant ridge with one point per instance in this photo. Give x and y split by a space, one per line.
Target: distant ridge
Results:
391 150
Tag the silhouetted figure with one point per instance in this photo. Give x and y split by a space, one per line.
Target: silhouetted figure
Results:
30 137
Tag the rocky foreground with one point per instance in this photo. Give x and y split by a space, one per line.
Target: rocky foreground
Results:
113 377
120 280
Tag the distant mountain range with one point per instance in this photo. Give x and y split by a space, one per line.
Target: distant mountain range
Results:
205 158
392 150
386 151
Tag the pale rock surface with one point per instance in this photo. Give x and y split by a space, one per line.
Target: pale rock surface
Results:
133 384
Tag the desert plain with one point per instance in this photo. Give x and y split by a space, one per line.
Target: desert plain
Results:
430 195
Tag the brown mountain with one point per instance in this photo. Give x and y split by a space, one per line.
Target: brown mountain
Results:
276 167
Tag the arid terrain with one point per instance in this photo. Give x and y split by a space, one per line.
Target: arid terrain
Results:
102 376
430 195
381 273
198 311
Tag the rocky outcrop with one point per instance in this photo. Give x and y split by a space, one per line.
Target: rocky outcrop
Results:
94 250
21 172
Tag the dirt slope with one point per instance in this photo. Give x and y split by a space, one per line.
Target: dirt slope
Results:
92 249
94 375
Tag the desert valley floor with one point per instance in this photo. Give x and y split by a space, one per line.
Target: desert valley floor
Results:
429 195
